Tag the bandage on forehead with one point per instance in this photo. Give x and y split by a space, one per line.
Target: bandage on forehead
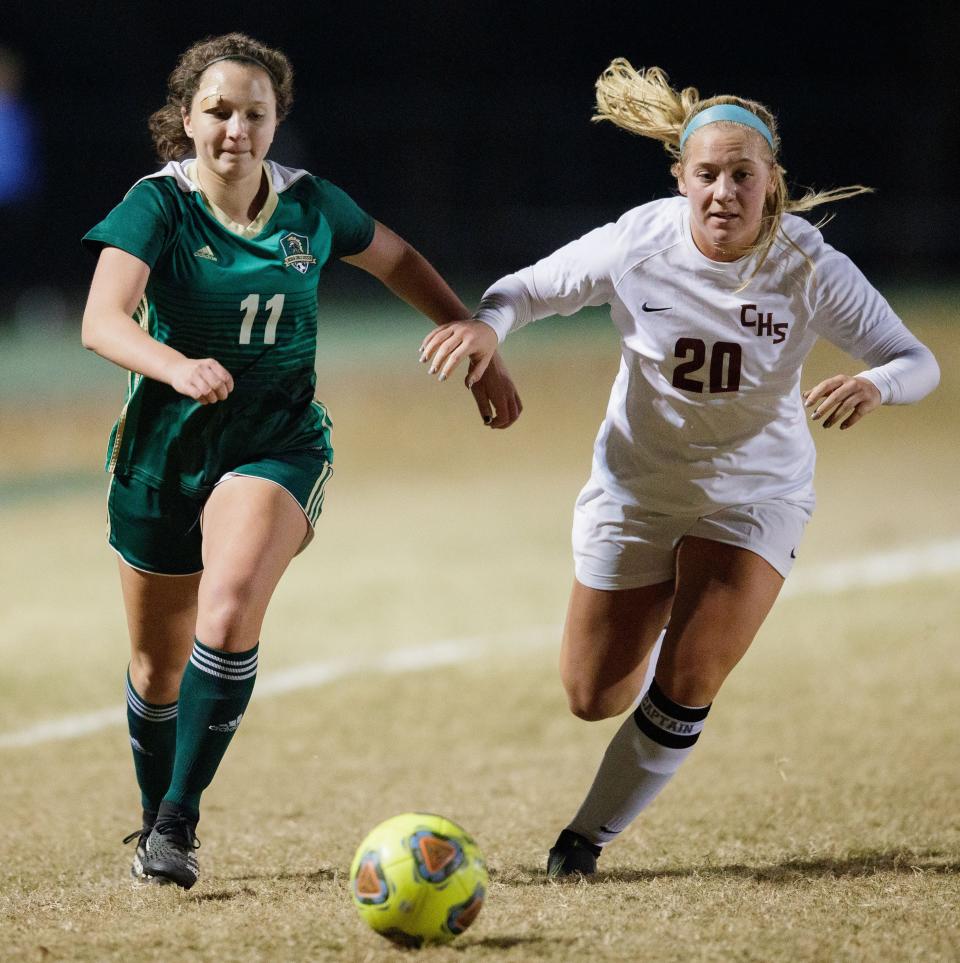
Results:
210 97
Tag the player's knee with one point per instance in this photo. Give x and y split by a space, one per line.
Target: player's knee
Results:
590 712
224 614
593 706
156 681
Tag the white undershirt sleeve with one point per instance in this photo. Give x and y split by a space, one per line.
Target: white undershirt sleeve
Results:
853 315
506 306
576 276
911 373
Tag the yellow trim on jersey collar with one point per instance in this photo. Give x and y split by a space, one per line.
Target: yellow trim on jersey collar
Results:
257 224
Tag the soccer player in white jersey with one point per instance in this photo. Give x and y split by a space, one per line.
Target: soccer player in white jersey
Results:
206 292
702 472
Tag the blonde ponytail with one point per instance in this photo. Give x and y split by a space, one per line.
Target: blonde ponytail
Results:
643 102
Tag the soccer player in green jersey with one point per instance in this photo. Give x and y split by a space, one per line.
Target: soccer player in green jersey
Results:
206 292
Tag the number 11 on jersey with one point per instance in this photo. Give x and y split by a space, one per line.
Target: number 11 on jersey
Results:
250 305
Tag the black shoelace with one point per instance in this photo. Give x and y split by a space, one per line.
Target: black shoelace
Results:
179 827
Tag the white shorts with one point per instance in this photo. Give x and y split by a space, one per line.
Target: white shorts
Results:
617 546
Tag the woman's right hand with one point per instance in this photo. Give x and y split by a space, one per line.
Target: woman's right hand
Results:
204 379
109 330
448 345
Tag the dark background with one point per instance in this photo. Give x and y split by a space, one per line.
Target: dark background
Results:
466 126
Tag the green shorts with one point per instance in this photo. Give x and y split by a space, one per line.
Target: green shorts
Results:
158 530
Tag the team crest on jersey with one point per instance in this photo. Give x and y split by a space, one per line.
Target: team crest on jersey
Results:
296 249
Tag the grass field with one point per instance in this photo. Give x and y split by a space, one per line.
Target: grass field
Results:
409 662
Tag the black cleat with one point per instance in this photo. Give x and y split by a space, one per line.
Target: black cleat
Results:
140 835
572 854
170 848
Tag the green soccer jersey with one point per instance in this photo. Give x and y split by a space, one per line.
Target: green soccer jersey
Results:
246 296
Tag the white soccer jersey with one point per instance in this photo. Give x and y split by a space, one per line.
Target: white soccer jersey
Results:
706 409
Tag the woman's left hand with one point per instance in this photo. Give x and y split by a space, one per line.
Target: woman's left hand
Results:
842 399
496 395
449 344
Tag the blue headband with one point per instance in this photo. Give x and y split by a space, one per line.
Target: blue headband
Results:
738 115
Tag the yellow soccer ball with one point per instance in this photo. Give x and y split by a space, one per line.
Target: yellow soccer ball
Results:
418 878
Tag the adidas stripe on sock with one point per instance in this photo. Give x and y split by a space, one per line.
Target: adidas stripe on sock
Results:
153 738
236 666
214 693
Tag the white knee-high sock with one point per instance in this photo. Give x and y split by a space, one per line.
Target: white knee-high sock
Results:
640 760
651 668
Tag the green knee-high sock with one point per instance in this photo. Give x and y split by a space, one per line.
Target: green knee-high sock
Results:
153 737
214 693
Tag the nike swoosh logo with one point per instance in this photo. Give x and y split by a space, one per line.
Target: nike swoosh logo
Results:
646 307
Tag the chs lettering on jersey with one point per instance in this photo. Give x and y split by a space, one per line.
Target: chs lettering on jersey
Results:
706 411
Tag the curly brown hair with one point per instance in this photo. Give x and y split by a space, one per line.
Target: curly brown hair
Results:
166 124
